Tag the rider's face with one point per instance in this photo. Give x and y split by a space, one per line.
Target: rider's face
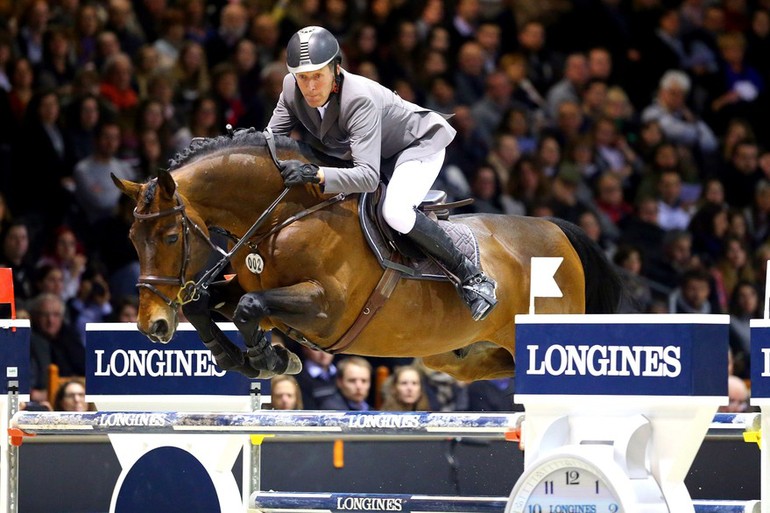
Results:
316 86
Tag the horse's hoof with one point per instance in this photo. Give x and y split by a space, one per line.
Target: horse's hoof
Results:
294 366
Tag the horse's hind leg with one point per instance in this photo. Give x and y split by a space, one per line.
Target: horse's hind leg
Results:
480 360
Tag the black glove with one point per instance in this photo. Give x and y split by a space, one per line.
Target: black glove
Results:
295 172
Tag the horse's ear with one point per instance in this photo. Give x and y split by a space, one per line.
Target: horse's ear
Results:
166 183
129 188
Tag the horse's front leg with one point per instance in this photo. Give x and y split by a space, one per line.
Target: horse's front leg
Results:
299 301
227 354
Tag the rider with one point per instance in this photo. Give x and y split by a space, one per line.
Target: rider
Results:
358 120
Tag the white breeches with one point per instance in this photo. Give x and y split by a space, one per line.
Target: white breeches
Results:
410 183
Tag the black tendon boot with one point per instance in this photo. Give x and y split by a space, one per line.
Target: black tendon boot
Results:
477 289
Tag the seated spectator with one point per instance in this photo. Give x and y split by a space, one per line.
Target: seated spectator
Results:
737 394
692 295
492 395
49 278
405 391
638 296
71 396
15 254
352 386
744 306
678 123
316 380
67 253
125 309
676 258
285 393
52 341
673 213
444 392
708 228
92 303
94 190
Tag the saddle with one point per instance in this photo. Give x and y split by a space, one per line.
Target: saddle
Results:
395 251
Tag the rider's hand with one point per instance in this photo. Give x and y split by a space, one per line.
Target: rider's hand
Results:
295 172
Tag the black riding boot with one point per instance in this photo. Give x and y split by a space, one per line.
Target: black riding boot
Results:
477 289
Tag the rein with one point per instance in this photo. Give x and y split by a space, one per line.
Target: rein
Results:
190 290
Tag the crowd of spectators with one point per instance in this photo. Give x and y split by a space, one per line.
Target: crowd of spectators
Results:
643 121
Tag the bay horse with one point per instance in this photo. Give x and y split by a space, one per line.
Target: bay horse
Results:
317 271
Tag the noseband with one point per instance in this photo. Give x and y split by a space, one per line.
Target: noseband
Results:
187 290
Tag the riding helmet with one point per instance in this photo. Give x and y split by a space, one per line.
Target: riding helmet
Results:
310 49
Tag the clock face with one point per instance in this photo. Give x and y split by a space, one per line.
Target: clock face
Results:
564 485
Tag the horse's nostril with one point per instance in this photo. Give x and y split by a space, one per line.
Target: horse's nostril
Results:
159 328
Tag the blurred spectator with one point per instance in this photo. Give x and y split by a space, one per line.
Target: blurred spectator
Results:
524 92
492 395
285 393
352 386
191 74
708 228
516 122
248 69
125 309
87 26
740 83
673 213
692 295
532 44
57 69
503 157
569 88
744 306
67 253
497 100
168 45
122 22
488 194
45 153
49 278
470 76
265 35
404 392
224 88
94 189
738 396
675 259
609 198
32 25
147 66
444 392
22 78
734 265
116 87
738 129
316 380
741 174
233 24
528 184
16 256
638 296
52 341
678 123
91 304
83 117
758 214
71 396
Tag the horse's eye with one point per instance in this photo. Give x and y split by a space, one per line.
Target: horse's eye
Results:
172 239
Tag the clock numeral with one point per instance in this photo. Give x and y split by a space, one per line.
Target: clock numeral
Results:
535 508
572 477
548 487
597 486
614 508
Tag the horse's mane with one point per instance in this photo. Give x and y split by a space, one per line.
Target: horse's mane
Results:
247 137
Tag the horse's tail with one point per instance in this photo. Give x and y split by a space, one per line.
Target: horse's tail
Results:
603 285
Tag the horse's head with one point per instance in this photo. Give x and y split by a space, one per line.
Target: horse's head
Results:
169 238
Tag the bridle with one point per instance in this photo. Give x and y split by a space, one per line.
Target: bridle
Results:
188 290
